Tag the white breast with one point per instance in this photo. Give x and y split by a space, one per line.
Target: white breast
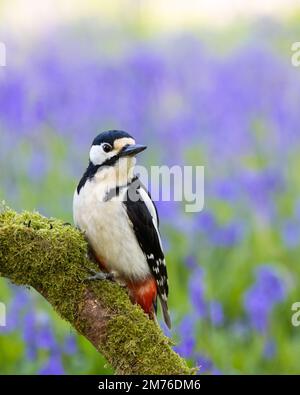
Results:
108 230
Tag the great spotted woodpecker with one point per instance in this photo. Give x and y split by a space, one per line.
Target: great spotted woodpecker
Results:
120 221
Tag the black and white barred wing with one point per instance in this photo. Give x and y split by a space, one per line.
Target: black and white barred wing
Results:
143 216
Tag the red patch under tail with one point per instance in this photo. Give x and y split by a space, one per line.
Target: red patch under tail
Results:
144 293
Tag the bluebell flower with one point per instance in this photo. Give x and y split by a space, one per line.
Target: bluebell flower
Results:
196 292
70 345
206 222
29 333
228 235
38 166
186 331
53 366
270 349
257 306
16 309
260 299
216 313
259 187
45 337
290 233
191 262
227 189
186 347
268 279
204 363
216 372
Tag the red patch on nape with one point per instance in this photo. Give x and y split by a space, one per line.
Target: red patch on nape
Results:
143 293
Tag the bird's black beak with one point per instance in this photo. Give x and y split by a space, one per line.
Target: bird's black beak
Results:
131 150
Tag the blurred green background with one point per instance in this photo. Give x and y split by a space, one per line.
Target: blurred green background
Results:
202 83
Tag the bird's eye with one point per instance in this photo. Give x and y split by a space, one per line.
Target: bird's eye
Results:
106 147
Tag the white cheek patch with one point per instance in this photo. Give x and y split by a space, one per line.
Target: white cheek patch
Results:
97 155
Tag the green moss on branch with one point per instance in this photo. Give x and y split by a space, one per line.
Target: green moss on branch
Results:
51 257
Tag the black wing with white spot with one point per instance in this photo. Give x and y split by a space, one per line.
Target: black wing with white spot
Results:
143 216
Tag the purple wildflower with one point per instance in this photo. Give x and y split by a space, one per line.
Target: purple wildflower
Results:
291 233
269 281
16 309
270 349
204 363
38 165
206 222
45 337
53 366
228 235
196 291
70 345
191 262
216 313
186 347
227 190
29 333
260 299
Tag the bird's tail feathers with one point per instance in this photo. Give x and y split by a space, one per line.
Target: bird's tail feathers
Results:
165 311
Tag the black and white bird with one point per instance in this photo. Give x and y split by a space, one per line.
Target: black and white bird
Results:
120 221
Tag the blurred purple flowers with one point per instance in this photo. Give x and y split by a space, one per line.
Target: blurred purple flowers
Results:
196 291
38 333
291 233
186 331
216 313
53 366
260 299
203 310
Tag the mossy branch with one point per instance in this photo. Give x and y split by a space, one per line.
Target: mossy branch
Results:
52 258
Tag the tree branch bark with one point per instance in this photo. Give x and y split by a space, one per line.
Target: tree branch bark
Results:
52 258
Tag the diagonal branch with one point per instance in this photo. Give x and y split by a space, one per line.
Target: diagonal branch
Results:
52 258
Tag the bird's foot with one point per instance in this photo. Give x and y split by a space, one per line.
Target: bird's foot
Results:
100 276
